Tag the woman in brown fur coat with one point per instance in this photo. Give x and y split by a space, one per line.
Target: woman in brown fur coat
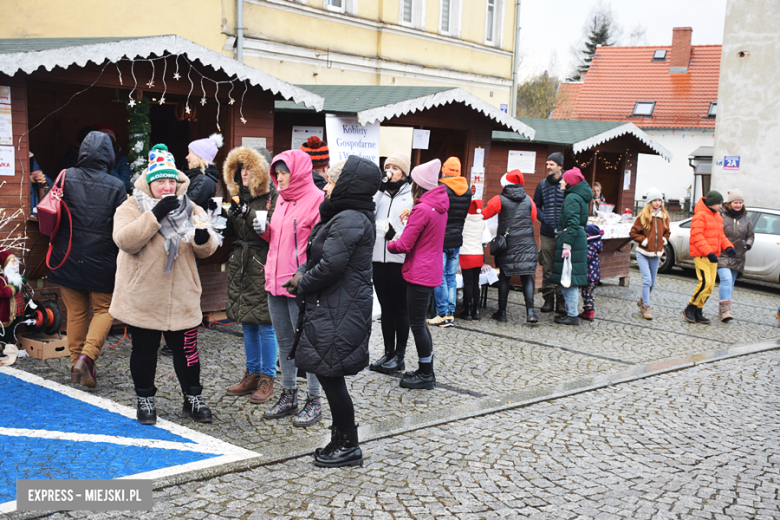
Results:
248 182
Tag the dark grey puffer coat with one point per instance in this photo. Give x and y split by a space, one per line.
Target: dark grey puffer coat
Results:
521 255
739 230
336 288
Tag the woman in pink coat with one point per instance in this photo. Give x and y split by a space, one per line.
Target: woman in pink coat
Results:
422 241
293 217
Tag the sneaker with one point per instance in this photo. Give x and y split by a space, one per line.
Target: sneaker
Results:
286 405
448 321
146 412
311 412
265 390
437 321
196 408
587 315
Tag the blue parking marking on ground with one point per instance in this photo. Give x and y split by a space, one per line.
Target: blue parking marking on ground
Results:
36 458
37 408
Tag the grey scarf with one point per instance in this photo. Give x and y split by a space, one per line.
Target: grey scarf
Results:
177 225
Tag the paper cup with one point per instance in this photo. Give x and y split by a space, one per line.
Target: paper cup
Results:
262 215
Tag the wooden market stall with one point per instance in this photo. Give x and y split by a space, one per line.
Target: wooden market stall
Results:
605 151
57 86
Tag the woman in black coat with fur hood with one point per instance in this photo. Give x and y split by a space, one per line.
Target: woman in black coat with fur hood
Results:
335 287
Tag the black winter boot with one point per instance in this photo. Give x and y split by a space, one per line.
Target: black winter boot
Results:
503 297
334 438
195 406
466 314
475 311
528 294
381 361
422 379
690 313
531 315
699 316
560 305
393 365
346 451
146 411
549 303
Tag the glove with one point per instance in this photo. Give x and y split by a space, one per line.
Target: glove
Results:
292 284
212 205
712 258
390 232
201 236
731 252
566 253
165 206
238 210
259 225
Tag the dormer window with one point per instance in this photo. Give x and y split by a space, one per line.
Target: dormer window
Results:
644 108
659 55
713 111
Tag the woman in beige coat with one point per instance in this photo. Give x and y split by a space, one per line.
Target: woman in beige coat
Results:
160 232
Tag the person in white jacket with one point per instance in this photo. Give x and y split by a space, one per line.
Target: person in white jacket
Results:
393 200
471 259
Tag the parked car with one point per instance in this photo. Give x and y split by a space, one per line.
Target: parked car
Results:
762 262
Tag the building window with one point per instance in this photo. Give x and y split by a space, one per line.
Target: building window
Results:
659 55
449 17
494 22
412 13
644 108
335 5
713 111
406 12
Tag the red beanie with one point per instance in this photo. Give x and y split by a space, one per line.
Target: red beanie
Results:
475 207
318 151
515 177
573 176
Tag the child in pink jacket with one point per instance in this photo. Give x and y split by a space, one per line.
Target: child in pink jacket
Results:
295 214
423 243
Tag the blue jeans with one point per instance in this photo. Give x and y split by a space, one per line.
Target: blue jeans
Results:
447 293
261 349
648 266
572 297
728 277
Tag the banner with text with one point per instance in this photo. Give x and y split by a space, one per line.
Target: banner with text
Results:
346 137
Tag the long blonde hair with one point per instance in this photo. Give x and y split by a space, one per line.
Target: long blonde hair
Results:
646 215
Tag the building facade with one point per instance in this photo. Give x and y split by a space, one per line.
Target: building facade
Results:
452 43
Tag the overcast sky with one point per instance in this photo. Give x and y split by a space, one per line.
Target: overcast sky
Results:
549 28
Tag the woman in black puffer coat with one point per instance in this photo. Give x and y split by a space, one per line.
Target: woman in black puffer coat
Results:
335 287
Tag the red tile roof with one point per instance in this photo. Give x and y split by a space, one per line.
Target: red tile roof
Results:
621 76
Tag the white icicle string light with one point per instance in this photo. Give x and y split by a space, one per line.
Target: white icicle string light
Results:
241 108
192 86
151 81
165 85
135 83
216 96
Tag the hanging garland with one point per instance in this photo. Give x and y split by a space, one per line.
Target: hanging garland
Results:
139 130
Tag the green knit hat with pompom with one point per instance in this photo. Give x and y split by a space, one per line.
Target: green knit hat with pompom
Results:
161 164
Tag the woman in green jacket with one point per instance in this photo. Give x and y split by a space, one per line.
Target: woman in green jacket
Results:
572 242
247 179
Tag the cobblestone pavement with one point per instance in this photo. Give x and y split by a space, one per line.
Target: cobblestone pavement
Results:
472 360
696 443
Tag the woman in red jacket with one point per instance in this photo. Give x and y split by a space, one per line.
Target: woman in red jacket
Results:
707 242
422 240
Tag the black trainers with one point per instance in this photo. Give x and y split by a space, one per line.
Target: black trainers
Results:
418 381
393 365
146 411
196 408
565 319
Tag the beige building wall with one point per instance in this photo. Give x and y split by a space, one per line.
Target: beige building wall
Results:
305 42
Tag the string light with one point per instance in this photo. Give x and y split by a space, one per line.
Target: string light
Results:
176 75
165 85
216 96
241 108
151 81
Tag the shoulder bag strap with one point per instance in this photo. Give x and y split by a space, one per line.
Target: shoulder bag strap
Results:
61 180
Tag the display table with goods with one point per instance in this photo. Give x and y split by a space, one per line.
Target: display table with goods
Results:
616 257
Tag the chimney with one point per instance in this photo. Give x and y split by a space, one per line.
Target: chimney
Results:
681 50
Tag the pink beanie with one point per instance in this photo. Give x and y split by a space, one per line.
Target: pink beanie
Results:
573 176
206 149
427 175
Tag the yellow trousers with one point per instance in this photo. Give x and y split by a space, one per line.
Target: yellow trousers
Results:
86 336
706 272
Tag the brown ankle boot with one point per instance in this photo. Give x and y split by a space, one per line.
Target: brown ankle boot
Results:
84 369
265 390
646 314
247 385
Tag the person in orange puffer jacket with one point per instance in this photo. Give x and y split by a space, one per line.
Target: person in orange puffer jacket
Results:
707 242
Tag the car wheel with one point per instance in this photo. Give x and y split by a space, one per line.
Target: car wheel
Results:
667 260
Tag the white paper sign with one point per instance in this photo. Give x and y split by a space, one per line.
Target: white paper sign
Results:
253 142
300 134
479 158
523 161
5 95
420 139
477 183
6 128
346 137
627 180
7 160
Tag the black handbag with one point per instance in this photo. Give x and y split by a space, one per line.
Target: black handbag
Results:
498 244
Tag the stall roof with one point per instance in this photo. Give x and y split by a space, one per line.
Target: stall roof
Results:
29 54
377 103
581 134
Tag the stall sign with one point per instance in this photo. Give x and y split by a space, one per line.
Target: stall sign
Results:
420 139
627 180
6 126
347 137
253 142
7 161
5 95
477 183
523 161
301 134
